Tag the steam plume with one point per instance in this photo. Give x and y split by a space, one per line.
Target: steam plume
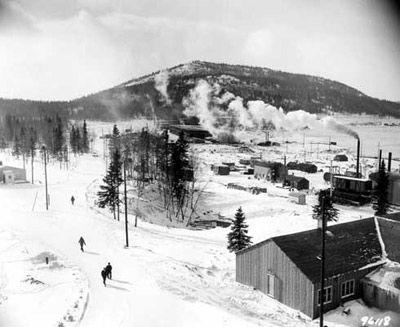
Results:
226 114
161 84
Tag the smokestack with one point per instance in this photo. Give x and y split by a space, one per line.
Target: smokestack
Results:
379 160
389 162
358 159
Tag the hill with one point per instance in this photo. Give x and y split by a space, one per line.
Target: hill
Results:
166 94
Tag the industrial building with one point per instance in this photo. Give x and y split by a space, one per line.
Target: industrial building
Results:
288 268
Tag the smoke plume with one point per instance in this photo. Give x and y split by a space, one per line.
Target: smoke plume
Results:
161 84
226 114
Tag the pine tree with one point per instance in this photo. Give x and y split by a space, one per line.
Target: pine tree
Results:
380 203
115 141
109 195
85 138
329 211
238 238
179 162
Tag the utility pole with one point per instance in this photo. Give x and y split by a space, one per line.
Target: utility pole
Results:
32 154
321 317
126 207
331 177
45 176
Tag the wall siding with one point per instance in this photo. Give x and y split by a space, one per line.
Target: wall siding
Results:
291 286
336 283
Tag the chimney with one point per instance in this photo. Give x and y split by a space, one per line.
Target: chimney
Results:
389 162
379 159
358 159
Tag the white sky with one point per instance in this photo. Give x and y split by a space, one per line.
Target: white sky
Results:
60 50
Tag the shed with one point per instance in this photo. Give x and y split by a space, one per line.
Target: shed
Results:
221 170
297 197
340 157
8 177
13 173
297 182
303 166
287 267
381 288
274 171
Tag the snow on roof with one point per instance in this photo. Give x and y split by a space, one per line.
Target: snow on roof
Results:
385 277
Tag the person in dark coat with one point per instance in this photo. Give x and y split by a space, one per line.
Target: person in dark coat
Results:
108 270
82 243
104 275
72 200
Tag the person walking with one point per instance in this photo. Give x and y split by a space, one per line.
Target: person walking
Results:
82 243
104 275
108 270
72 200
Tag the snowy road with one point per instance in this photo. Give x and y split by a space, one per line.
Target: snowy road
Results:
167 277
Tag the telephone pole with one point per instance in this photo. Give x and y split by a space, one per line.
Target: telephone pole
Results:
126 207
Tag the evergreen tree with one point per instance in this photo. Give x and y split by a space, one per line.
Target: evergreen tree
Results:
109 195
17 147
329 211
85 138
238 238
380 203
179 162
115 141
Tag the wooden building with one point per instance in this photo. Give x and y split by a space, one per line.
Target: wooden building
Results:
9 174
288 267
351 190
297 197
340 157
274 171
221 170
302 166
297 182
190 131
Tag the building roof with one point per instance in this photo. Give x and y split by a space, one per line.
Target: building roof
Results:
267 164
348 247
295 178
392 216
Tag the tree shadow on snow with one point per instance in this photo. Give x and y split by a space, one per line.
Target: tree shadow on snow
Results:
94 253
117 287
121 281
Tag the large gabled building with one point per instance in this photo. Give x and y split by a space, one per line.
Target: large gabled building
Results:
288 268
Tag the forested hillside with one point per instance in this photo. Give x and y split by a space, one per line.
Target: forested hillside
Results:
161 94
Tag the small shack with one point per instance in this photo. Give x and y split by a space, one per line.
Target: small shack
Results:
9 174
274 171
297 197
221 170
340 157
303 166
381 288
297 182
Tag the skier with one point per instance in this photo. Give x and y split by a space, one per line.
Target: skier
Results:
108 270
82 243
104 275
72 200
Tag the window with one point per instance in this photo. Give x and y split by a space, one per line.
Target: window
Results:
270 285
327 295
347 288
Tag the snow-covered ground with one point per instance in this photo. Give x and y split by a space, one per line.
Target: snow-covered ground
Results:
167 276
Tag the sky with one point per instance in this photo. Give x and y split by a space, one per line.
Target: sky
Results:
167 276
61 50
